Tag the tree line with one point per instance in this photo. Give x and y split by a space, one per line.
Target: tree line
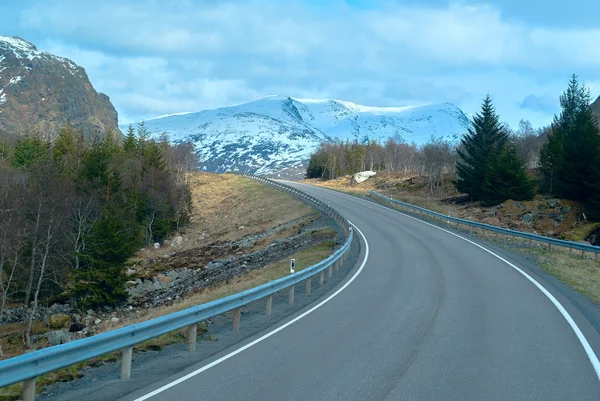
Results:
492 163
75 208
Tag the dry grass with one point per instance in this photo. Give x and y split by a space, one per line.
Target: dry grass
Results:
223 203
581 274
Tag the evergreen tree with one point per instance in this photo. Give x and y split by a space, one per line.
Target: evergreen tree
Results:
506 178
101 280
29 151
317 164
130 143
568 161
476 148
551 160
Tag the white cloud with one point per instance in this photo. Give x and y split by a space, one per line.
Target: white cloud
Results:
156 57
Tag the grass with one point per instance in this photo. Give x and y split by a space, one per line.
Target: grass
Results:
248 280
582 275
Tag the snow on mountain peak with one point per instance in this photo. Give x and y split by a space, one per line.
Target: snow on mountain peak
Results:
278 132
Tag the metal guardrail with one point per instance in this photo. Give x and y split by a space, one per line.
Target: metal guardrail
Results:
505 231
25 368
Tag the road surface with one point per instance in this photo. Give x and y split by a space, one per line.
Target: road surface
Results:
425 315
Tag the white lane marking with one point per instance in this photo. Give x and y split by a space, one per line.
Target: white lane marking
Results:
584 342
269 334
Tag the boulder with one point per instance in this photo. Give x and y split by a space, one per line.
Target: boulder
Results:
57 337
164 279
553 203
362 176
58 321
97 321
114 319
75 327
528 219
156 245
177 241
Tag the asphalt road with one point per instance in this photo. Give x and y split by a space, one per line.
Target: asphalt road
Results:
427 316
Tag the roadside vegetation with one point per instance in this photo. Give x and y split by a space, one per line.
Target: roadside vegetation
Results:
544 181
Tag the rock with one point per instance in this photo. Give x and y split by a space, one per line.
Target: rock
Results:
156 245
241 227
57 337
528 219
362 176
164 279
130 272
114 319
566 209
177 241
43 93
553 203
131 283
90 312
561 218
75 327
520 205
58 321
97 321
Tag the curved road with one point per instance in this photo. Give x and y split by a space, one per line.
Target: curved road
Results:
428 316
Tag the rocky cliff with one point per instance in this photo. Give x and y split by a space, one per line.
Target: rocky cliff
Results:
41 92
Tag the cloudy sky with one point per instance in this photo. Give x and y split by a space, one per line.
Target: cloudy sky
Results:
155 57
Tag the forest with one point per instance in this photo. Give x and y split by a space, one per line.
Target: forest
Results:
75 207
492 163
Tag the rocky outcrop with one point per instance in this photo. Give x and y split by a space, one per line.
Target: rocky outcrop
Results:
41 92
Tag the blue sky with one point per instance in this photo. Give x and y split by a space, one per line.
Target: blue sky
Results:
158 57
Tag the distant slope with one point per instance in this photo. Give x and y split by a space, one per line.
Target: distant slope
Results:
40 92
276 133
596 109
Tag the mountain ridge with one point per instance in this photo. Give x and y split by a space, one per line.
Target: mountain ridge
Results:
276 133
40 92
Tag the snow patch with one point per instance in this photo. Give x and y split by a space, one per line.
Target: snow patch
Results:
2 98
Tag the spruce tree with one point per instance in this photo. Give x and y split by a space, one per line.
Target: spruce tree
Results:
475 150
506 178
130 143
568 160
551 160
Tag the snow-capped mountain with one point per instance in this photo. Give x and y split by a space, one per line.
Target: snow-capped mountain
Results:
276 133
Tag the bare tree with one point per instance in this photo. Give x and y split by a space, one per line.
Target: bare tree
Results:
437 158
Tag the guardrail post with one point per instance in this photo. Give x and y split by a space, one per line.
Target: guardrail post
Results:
549 246
126 355
596 256
191 337
29 390
269 305
308 284
582 254
322 276
291 294
336 265
236 319
530 243
330 270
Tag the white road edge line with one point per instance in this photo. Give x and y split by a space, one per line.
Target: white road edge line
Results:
584 342
269 334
